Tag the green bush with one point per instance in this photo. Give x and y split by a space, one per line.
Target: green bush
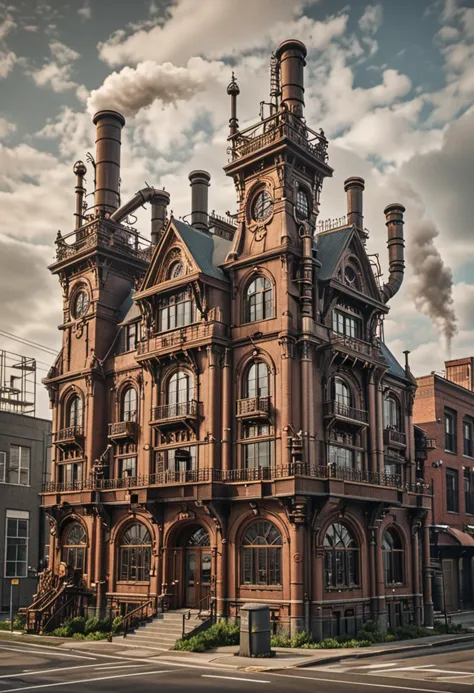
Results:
76 624
411 632
78 636
218 635
19 622
62 632
280 641
5 625
91 625
117 624
97 636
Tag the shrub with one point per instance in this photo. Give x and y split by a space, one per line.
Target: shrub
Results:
62 632
96 636
104 625
78 636
218 635
410 632
91 625
5 625
117 624
301 639
76 624
280 641
19 622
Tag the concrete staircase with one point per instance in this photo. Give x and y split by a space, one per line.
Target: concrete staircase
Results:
162 631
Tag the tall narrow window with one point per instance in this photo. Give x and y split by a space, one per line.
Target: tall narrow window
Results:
469 491
257 383
391 412
342 394
341 557
180 394
75 411
16 544
261 554
3 467
74 546
131 336
70 475
258 455
450 430
129 404
258 300
467 428
176 311
135 554
346 324
127 467
19 465
392 550
452 490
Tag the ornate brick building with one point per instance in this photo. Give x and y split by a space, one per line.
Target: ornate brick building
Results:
228 426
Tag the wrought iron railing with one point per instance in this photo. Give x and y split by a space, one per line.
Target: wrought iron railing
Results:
123 429
419 487
100 232
59 486
329 224
142 613
335 408
253 405
341 340
174 338
393 437
364 476
68 434
166 412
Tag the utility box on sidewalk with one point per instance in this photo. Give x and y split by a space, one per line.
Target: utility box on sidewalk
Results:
255 631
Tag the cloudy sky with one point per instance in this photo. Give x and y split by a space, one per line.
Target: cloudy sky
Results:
391 83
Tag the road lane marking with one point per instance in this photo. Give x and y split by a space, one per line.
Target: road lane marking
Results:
38 651
101 678
31 672
232 678
361 683
379 666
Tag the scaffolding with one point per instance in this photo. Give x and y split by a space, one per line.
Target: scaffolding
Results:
17 383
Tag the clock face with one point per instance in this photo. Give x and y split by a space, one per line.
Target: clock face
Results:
262 206
302 204
81 304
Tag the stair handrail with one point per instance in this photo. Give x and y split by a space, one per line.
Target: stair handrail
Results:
56 613
143 612
187 614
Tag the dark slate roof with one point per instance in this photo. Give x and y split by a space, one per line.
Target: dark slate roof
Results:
330 246
208 251
129 310
394 368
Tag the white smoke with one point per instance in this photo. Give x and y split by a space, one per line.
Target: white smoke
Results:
132 89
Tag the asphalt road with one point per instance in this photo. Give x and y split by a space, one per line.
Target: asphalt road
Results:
30 667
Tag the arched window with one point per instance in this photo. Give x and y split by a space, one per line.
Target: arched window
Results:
200 537
74 546
176 269
341 558
342 394
135 554
261 554
129 404
258 300
257 381
392 557
74 411
391 410
180 392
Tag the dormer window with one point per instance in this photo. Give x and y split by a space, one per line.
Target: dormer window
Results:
176 311
352 277
346 324
176 270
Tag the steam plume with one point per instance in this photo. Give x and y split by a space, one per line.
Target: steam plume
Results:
132 89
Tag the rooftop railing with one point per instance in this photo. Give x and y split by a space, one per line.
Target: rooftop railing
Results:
106 234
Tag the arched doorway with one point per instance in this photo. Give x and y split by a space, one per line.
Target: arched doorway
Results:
192 568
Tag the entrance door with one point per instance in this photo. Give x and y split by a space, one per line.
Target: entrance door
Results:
198 563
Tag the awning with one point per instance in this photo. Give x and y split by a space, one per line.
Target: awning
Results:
450 536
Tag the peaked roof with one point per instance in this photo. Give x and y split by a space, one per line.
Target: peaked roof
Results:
208 251
394 367
330 245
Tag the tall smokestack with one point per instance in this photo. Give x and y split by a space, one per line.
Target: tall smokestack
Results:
159 203
109 126
80 171
354 188
291 55
396 244
199 181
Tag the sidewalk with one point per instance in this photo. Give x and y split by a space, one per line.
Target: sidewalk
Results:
225 657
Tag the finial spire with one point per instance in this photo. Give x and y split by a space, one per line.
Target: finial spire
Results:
233 91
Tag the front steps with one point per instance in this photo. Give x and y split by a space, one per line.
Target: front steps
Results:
162 632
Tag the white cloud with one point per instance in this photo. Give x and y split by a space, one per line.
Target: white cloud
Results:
85 11
372 19
7 63
57 73
6 26
6 128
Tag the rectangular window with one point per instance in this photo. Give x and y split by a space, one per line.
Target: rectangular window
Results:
19 466
70 474
258 455
127 467
344 457
467 437
131 336
346 324
469 491
182 459
452 491
450 430
3 467
16 544
175 311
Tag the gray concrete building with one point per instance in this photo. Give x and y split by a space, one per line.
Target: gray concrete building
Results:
25 441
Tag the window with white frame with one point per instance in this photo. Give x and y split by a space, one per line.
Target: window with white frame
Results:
3 467
19 465
16 544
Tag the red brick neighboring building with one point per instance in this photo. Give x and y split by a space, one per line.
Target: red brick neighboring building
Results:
228 426
444 409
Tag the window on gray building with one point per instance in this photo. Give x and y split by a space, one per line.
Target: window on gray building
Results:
19 465
16 544
3 467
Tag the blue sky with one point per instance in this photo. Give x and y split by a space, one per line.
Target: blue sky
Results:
391 83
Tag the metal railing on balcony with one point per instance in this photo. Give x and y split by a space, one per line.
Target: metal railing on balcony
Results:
181 410
174 338
106 234
277 127
60 486
71 433
364 476
123 429
393 437
335 408
358 345
419 487
258 406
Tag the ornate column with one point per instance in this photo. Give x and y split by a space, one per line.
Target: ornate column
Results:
427 573
380 427
415 560
287 345
307 402
210 414
226 462
297 554
99 550
372 424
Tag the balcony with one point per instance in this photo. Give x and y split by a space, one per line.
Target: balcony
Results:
343 412
72 436
189 335
61 486
123 430
253 408
169 415
165 478
394 439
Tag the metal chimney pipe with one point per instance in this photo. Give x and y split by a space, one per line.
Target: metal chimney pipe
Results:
109 126
354 188
396 254
80 171
199 181
159 204
291 55
233 91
